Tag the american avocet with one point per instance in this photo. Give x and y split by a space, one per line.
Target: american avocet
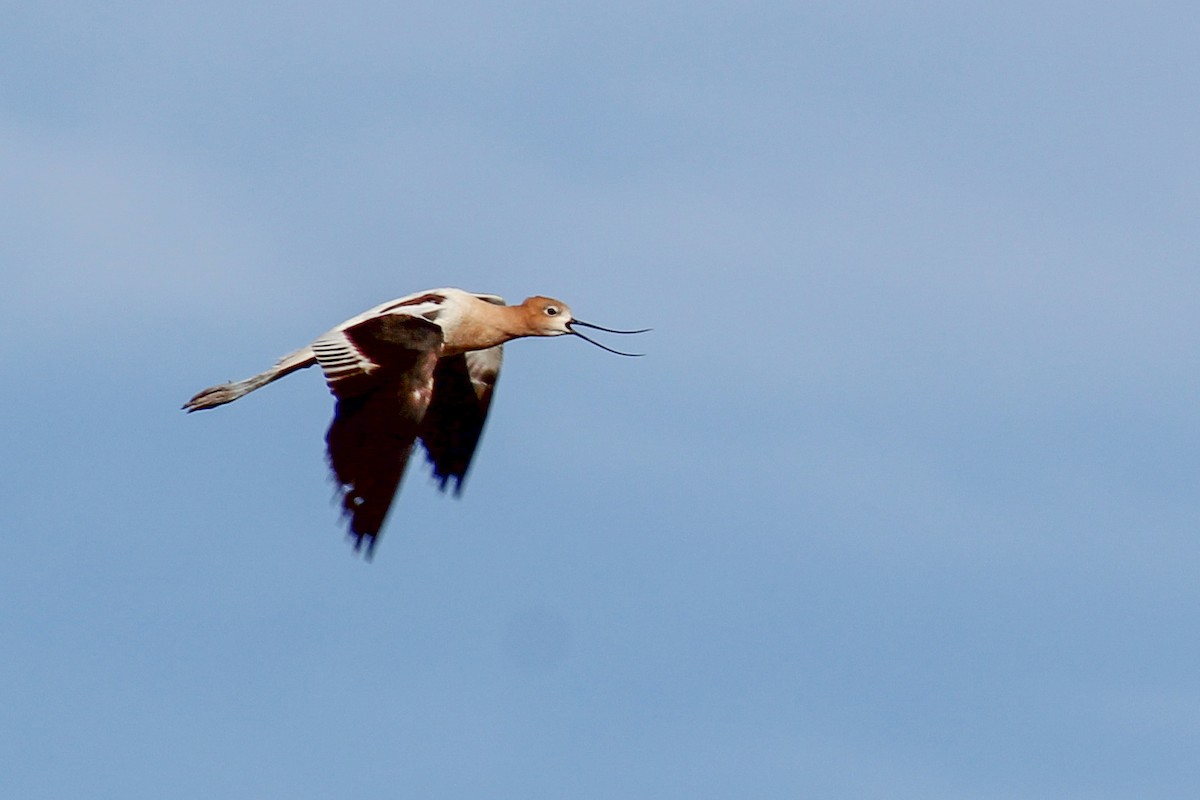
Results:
420 367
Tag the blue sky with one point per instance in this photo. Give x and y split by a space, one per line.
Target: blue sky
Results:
901 504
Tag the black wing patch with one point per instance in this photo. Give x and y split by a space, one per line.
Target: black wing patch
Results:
462 392
379 411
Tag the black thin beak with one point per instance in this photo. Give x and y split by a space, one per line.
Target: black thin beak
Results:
574 322
608 330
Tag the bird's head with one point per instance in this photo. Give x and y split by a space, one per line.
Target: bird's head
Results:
546 316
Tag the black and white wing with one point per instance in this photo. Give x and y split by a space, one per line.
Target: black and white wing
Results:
462 393
381 370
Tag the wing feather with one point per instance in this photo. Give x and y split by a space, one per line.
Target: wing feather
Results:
381 372
462 393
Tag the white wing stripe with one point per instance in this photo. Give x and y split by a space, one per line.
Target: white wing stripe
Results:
339 357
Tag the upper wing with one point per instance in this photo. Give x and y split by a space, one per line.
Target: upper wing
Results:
381 372
462 392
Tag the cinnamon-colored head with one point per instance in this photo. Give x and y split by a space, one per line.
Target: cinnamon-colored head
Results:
545 316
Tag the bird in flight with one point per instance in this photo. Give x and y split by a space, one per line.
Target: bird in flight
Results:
419 367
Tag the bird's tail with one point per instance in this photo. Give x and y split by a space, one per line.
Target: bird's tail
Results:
224 393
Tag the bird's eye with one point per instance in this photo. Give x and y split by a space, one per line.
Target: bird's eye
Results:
551 311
